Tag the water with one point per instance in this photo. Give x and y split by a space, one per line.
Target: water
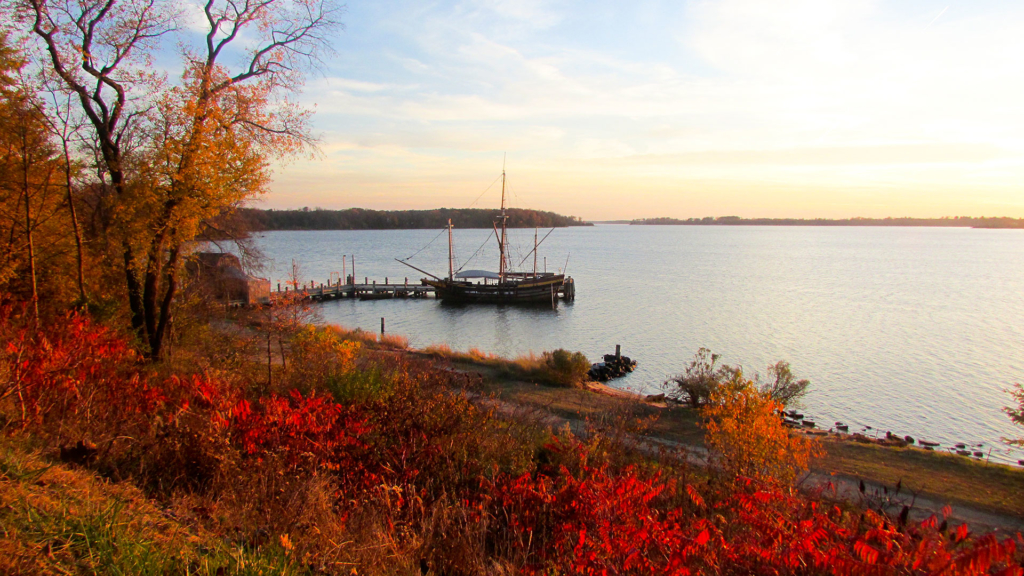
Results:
914 330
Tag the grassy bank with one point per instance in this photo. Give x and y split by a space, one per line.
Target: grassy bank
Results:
956 479
58 520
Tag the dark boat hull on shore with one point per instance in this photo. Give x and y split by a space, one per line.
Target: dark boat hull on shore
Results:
531 290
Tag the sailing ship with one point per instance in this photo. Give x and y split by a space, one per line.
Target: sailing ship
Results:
504 286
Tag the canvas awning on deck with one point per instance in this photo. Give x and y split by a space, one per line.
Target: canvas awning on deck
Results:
478 274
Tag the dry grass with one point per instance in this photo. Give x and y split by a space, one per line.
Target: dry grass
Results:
993 487
59 520
676 425
393 341
357 335
442 351
556 368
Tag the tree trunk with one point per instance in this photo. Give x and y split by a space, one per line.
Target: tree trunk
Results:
31 251
131 277
25 167
157 339
134 293
82 299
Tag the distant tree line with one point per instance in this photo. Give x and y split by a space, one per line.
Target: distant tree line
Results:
950 221
362 219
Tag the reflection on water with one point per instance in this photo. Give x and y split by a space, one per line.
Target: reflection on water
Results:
914 330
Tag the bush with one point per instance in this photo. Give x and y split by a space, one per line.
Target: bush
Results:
565 368
702 378
320 355
747 439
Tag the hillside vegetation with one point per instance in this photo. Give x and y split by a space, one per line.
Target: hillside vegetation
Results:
348 456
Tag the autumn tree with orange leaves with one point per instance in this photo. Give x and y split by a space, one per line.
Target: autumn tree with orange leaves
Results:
173 157
35 223
747 439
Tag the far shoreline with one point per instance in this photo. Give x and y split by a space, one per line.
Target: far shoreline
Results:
901 222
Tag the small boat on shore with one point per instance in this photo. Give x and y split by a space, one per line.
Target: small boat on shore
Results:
504 286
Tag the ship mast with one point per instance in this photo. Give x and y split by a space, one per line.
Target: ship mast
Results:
451 257
535 252
503 248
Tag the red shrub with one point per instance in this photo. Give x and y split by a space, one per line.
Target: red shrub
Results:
601 522
572 517
70 367
313 431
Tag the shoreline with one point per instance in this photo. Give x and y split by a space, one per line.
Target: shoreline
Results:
974 487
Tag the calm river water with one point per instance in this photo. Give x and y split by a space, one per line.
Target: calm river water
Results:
914 330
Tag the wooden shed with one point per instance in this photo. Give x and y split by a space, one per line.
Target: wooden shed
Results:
220 275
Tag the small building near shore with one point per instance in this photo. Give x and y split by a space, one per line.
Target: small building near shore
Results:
220 276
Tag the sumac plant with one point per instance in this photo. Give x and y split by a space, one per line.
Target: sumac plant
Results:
584 519
424 453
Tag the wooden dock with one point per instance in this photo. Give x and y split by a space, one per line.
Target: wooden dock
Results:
366 291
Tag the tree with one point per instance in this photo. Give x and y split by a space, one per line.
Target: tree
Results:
65 128
176 157
703 377
746 438
783 387
32 239
1016 412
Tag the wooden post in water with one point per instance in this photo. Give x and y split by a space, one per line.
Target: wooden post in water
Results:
618 351
382 325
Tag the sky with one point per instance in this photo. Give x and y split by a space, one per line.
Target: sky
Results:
618 110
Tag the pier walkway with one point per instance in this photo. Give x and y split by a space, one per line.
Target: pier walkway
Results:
368 290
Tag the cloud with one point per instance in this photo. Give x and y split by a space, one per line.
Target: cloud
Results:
836 156
825 93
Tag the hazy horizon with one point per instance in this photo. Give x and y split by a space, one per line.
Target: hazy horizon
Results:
797 109
649 217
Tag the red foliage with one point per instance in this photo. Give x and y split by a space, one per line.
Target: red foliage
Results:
312 430
599 522
76 365
572 518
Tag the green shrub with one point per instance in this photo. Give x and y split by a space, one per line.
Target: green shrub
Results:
564 368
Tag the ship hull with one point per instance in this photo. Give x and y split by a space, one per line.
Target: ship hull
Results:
525 292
